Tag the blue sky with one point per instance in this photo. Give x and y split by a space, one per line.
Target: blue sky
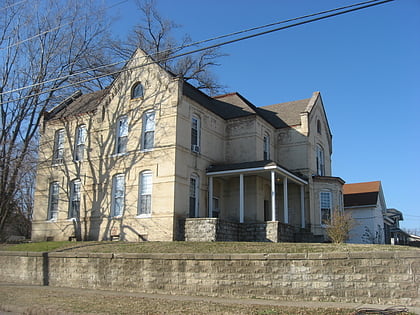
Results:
365 64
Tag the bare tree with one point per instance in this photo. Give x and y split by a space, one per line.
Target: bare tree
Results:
155 36
44 45
339 226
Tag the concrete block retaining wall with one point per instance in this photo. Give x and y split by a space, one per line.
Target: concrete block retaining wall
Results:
376 277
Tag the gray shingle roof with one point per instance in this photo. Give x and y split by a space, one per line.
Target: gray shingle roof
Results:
77 105
284 114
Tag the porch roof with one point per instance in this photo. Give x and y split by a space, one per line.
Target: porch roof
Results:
253 167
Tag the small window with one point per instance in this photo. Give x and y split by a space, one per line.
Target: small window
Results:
266 146
318 126
194 196
122 135
216 207
195 134
79 144
118 195
53 201
145 194
325 202
74 200
148 130
58 153
137 90
320 161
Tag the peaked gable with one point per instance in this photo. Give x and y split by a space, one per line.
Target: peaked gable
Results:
361 194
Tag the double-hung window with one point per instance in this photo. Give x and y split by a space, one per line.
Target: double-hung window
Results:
58 151
320 161
79 144
195 134
325 203
74 206
145 194
266 146
122 135
118 195
194 196
148 132
53 201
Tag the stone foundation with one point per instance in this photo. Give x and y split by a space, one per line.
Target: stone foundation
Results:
214 229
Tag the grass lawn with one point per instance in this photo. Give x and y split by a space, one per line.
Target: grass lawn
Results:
198 247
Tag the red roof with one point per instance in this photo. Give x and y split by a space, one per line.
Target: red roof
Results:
359 188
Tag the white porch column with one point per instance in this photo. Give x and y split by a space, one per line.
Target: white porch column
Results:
211 196
285 201
302 206
241 198
273 196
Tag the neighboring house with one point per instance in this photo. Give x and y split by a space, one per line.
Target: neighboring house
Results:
153 158
393 234
366 204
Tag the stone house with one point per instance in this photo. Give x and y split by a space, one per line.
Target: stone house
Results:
153 158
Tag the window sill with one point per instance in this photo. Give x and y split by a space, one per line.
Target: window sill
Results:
51 220
143 216
117 217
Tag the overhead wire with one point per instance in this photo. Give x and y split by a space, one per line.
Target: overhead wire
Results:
351 8
12 5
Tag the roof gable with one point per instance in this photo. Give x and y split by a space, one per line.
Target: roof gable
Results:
285 114
361 194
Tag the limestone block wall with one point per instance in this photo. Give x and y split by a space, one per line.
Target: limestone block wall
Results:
364 277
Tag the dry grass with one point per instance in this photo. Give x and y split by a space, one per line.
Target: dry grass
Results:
198 247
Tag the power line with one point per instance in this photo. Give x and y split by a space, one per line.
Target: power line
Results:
190 45
12 5
368 4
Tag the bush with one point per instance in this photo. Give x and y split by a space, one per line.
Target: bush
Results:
339 226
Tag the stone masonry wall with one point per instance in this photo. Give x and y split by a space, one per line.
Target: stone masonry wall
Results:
366 277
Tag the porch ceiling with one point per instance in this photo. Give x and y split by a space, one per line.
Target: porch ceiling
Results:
254 167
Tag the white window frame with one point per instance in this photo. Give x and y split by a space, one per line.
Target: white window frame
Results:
75 198
148 130
79 143
135 90
58 150
324 198
145 190
266 149
320 161
118 195
194 196
195 134
121 135
53 201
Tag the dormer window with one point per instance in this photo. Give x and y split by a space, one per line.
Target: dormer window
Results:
137 91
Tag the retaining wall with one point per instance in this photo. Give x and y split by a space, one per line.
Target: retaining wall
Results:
365 277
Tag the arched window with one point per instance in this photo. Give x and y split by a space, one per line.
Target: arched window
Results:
145 194
137 90
266 146
53 201
58 153
148 130
79 143
194 195
195 133
74 200
320 161
118 195
326 206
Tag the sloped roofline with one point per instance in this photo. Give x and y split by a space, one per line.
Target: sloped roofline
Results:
311 104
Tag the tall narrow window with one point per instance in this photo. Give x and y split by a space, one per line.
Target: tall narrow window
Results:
320 162
79 144
118 195
53 201
194 196
145 194
148 132
74 206
122 135
195 134
137 90
318 126
58 153
266 147
325 201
